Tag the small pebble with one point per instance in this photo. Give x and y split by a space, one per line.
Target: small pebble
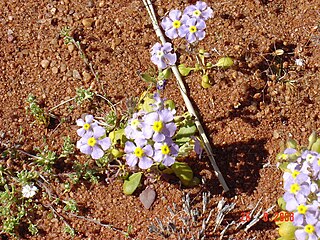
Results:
87 22
54 70
86 76
70 47
76 75
44 63
63 67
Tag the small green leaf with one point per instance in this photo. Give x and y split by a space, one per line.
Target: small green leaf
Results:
316 146
183 172
286 230
116 153
205 81
131 184
224 62
282 203
312 139
291 143
170 104
186 131
146 77
166 74
146 102
184 70
117 135
283 166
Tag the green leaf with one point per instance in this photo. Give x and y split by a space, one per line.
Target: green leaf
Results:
283 166
286 230
146 102
312 139
186 132
292 144
282 203
117 135
224 62
165 74
183 172
131 184
184 71
169 104
147 77
316 146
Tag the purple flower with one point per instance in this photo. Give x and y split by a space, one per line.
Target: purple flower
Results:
133 130
161 84
310 231
172 24
161 55
316 169
93 145
301 211
194 30
158 125
200 10
166 152
197 146
159 102
87 125
310 156
137 152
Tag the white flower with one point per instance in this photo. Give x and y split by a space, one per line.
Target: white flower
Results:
29 191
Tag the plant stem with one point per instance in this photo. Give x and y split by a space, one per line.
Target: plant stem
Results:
186 99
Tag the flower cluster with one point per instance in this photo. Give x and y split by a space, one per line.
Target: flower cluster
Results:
302 193
189 24
93 137
150 137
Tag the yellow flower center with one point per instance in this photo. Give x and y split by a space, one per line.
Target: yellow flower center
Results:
309 228
176 24
309 158
302 209
197 13
192 29
160 54
138 152
294 188
165 150
92 141
135 123
86 126
295 173
157 126
319 162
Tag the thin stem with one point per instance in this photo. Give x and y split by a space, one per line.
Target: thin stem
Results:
186 99
60 104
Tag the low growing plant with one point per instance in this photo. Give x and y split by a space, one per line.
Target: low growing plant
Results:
301 180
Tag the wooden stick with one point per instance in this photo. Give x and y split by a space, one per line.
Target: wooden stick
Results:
186 99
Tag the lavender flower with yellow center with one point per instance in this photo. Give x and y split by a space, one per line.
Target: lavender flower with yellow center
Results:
137 153
310 229
159 125
172 24
94 144
87 125
194 30
199 10
166 152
